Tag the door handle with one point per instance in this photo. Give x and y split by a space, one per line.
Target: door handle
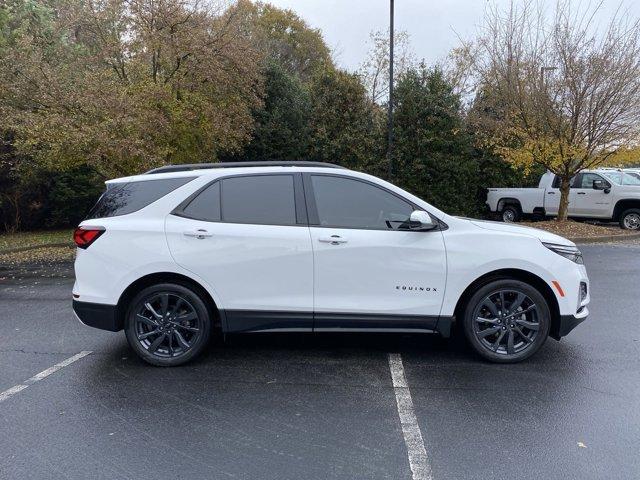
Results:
551 193
200 233
333 240
581 193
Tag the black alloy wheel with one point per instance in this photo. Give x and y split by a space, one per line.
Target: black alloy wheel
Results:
507 321
167 324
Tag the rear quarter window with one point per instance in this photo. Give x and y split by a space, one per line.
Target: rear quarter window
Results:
121 199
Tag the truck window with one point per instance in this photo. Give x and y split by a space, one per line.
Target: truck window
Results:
556 181
588 178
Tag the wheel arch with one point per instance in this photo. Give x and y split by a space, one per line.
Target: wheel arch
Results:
166 277
508 201
622 205
514 274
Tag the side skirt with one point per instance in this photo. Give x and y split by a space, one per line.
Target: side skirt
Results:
255 321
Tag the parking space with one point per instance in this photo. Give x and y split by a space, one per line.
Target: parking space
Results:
302 406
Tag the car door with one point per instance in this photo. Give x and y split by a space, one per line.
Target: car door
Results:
371 271
552 200
585 201
247 237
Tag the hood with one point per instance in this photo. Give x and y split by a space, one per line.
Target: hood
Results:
542 235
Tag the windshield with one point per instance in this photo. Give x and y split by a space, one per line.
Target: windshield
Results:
623 178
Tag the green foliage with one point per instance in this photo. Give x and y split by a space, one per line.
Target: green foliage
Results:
70 196
103 89
282 124
434 157
345 125
285 39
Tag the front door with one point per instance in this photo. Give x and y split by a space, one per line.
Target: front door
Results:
587 202
247 237
371 271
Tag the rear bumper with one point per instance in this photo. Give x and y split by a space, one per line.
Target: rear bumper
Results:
569 322
98 315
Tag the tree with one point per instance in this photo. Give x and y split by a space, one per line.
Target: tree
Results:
434 151
375 69
125 85
345 127
564 96
285 39
282 122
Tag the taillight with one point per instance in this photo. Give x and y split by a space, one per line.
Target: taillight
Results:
85 236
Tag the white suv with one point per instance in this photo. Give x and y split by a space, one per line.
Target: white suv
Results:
183 251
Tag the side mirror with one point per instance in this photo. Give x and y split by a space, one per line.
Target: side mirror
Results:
601 185
420 221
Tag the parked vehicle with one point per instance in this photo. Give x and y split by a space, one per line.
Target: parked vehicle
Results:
594 194
177 254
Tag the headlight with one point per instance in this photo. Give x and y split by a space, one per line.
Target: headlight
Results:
572 253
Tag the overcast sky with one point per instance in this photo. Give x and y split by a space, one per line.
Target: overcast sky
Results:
433 25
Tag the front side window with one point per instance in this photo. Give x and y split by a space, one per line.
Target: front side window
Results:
349 203
124 198
587 180
260 199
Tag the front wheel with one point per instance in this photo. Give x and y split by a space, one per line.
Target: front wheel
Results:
167 324
507 321
630 219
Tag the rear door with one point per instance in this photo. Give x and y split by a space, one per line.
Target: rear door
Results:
247 237
552 197
371 271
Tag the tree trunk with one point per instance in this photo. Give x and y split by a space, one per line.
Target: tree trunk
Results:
563 208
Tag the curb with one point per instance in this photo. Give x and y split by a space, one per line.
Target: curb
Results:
35 247
605 238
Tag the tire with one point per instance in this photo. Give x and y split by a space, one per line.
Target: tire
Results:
485 324
168 334
630 219
510 214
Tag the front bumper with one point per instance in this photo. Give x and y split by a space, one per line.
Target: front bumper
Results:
98 315
568 323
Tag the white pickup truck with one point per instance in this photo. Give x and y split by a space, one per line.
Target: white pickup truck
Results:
595 194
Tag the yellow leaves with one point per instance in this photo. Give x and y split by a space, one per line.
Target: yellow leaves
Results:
624 156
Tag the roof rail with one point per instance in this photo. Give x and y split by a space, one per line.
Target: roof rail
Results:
200 166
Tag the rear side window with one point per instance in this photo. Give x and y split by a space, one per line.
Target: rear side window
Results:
206 206
261 199
125 198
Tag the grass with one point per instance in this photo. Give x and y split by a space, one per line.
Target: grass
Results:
26 239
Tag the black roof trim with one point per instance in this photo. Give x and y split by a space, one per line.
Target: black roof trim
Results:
200 166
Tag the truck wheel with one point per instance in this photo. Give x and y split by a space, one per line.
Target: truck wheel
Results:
167 324
510 214
630 219
506 321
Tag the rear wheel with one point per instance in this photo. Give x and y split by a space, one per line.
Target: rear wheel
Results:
511 214
507 321
630 219
167 324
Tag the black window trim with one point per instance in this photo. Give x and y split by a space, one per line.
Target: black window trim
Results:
312 210
299 205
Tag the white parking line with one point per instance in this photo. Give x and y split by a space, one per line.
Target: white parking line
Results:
418 460
39 376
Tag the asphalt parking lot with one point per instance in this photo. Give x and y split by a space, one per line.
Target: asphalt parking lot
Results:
319 407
